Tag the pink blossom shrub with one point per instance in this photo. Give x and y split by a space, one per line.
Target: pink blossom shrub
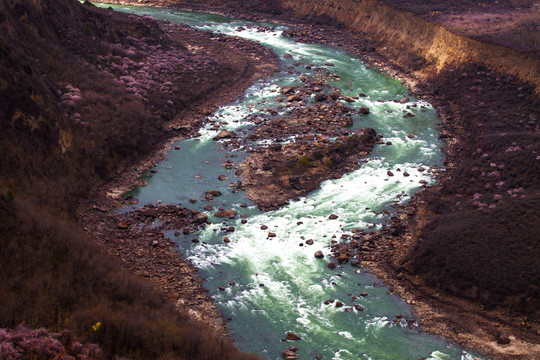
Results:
26 343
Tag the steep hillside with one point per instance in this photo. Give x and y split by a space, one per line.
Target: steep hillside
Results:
84 91
415 44
77 98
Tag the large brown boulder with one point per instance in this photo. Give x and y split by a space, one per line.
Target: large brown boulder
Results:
288 354
224 134
226 213
200 218
293 336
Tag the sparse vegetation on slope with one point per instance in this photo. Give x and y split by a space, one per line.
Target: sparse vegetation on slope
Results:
482 242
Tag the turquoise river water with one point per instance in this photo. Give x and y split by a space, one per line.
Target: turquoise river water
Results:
296 284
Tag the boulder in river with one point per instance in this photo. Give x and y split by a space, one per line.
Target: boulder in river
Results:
224 134
226 213
363 110
343 258
210 194
294 97
293 336
288 354
200 218
319 254
334 95
287 90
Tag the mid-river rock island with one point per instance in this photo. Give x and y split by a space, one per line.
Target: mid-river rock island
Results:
278 173
309 144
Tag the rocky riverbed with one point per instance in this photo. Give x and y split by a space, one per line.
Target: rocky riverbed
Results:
137 238
378 250
503 333
323 145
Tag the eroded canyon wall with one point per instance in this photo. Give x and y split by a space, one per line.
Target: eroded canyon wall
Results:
414 43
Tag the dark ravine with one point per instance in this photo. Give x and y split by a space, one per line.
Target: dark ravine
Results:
474 85
464 104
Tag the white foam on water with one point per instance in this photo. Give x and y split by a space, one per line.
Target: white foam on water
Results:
346 334
294 281
342 355
375 325
438 355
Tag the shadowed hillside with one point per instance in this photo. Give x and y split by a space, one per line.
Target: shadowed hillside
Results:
82 92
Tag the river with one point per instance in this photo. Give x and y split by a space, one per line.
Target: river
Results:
279 286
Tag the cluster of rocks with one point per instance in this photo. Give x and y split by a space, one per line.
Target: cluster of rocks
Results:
137 239
326 35
280 172
355 248
258 28
323 146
